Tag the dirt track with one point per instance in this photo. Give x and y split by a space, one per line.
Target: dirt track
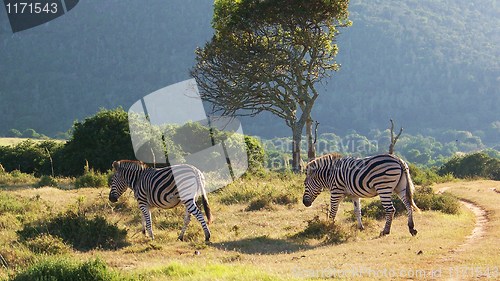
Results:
479 229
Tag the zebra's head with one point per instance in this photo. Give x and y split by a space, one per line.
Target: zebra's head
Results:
118 186
124 170
312 186
318 172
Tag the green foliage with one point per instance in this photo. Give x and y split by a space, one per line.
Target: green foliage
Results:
424 198
260 204
16 177
79 231
32 134
14 133
100 140
91 178
319 229
64 269
47 244
255 154
9 204
427 176
472 166
31 157
46 181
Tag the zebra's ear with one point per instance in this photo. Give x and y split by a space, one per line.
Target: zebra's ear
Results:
115 164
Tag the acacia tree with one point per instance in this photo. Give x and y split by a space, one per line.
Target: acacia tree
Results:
269 55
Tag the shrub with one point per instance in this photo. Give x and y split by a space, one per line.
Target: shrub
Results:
255 153
427 176
30 157
14 133
46 181
16 177
424 198
79 231
47 244
472 166
259 204
100 139
319 229
67 269
90 178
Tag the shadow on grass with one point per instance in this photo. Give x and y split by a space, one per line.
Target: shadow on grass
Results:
262 245
79 231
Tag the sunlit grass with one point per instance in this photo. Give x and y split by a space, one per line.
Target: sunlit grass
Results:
253 244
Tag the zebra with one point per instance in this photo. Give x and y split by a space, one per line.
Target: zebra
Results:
162 188
380 175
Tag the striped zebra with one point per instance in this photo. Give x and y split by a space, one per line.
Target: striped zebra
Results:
380 175
162 188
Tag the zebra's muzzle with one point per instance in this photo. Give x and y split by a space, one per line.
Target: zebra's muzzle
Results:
307 202
112 198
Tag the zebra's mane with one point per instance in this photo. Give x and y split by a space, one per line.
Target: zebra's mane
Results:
322 160
129 164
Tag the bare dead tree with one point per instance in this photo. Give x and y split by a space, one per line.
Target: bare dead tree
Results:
311 143
394 139
51 162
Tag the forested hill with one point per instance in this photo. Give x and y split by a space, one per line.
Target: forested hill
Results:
427 64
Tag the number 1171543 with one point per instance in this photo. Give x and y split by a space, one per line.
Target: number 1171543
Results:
32 8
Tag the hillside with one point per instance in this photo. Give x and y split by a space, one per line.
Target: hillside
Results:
427 64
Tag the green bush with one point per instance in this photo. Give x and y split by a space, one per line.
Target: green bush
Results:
260 204
427 176
79 231
31 157
90 178
16 177
47 244
319 229
63 269
424 198
255 153
46 181
472 166
100 140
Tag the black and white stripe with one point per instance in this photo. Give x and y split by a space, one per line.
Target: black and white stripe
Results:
380 175
162 188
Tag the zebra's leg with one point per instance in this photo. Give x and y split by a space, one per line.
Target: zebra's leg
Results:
335 199
357 212
146 216
389 212
187 219
195 211
143 225
409 210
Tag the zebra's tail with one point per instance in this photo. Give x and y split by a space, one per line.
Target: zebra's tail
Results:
204 198
410 187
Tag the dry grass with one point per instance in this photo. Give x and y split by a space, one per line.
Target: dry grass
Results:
261 242
14 141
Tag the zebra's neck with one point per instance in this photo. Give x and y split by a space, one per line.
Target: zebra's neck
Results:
132 176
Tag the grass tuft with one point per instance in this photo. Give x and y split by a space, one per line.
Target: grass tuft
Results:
67 269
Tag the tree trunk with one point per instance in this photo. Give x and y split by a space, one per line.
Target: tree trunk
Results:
297 138
311 149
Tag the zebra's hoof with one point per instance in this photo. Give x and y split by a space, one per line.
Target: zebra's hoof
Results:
383 233
413 232
361 228
181 238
